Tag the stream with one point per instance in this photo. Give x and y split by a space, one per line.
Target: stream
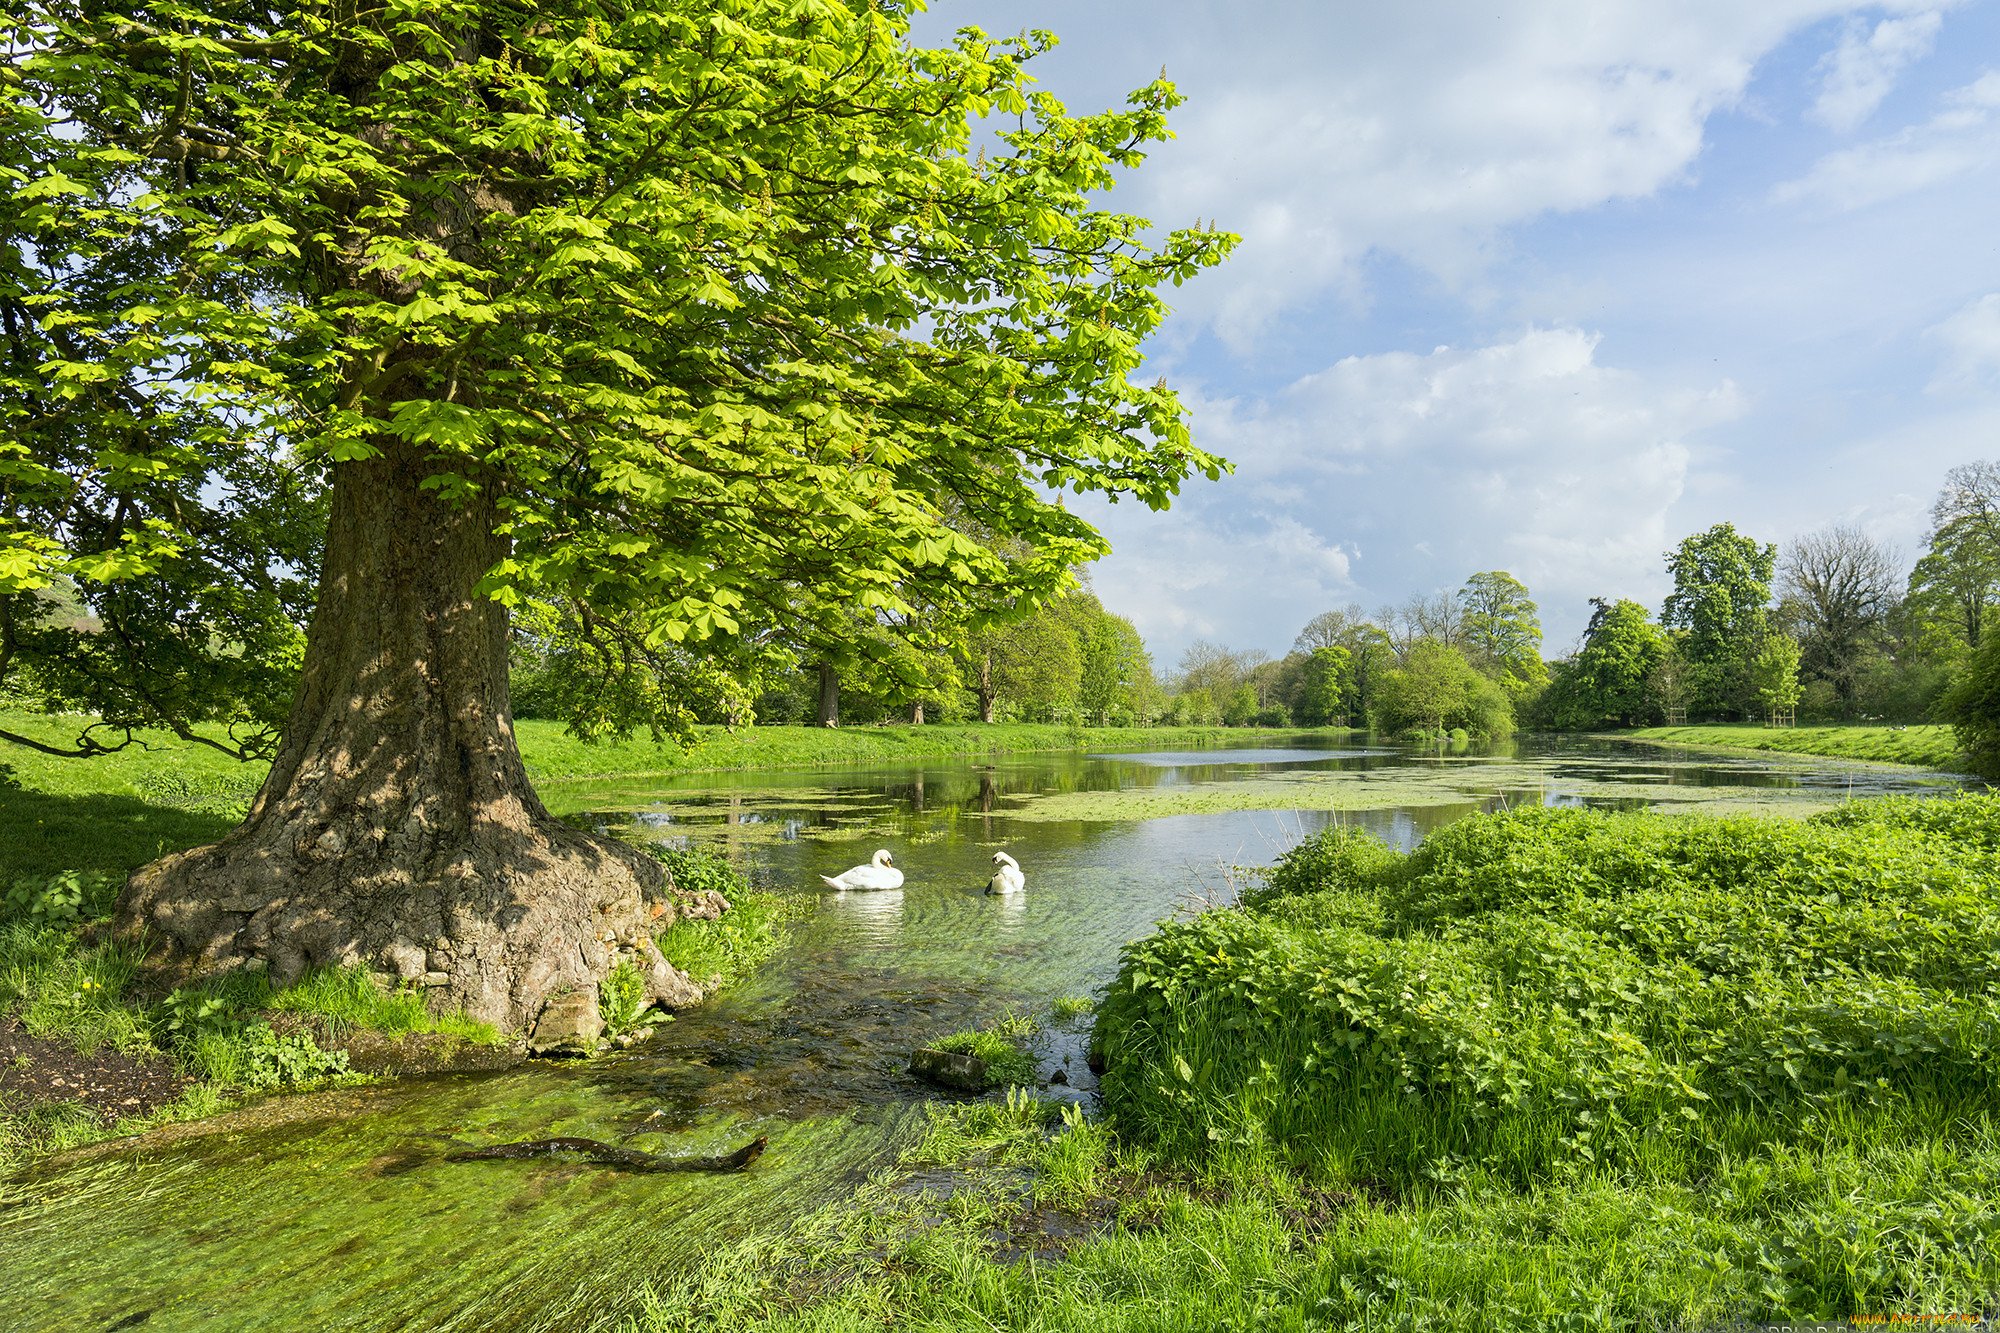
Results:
337 1210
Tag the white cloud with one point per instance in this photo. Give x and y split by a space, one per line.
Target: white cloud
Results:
1386 475
1958 141
1859 72
1424 130
1971 342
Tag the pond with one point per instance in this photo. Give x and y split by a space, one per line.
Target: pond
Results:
337 1210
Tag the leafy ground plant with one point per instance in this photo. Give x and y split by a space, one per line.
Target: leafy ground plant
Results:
1786 1031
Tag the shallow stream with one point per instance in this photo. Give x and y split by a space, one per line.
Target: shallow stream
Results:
336 1210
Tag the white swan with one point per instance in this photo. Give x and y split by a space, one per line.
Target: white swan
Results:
1007 876
877 874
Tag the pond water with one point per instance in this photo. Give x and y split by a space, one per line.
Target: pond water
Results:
336 1210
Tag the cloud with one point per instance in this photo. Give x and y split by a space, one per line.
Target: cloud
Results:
1859 72
1971 342
1958 141
1382 476
1424 130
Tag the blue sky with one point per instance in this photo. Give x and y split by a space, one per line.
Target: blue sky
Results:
1546 289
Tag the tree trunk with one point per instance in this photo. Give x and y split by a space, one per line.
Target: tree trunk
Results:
829 696
917 713
397 828
986 686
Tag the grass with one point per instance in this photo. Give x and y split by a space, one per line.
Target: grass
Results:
1924 746
220 1033
1002 1045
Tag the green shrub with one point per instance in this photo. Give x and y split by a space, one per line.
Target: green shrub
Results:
718 951
286 1063
697 870
621 1000
1553 991
67 898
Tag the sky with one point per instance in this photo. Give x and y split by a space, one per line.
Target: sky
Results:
1543 286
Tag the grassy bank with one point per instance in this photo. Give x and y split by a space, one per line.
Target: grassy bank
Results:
1919 746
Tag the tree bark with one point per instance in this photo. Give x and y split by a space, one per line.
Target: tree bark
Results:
985 691
397 828
829 696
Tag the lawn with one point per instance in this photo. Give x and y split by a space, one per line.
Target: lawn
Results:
1921 746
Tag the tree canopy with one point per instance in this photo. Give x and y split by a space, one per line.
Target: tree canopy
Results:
715 302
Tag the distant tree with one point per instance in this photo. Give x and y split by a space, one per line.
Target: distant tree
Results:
1722 587
1972 706
1503 631
1241 708
1332 629
1605 682
1843 584
1954 588
1324 684
1774 672
1370 655
1436 690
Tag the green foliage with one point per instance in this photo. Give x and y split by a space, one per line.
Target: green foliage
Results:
715 305
1722 587
1008 1062
717 952
1435 690
1326 679
66 898
1502 631
1972 707
1551 992
1774 671
288 1063
621 1000
1606 682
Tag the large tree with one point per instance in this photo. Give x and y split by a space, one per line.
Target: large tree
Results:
1503 631
701 318
1722 589
1606 681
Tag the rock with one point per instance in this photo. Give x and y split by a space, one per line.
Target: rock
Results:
1059 1077
951 1069
569 1024
666 985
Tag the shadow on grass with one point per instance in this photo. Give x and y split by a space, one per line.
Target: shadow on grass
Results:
43 834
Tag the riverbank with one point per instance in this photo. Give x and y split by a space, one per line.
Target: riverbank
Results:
1921 746
113 813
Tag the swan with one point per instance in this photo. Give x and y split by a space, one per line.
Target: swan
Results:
1007 876
877 874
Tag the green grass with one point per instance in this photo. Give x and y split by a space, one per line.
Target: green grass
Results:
1925 746
553 755
1002 1046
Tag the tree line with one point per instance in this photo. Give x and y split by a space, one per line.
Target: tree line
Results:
1831 627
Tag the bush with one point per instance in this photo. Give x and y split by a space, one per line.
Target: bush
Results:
1553 991
67 898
